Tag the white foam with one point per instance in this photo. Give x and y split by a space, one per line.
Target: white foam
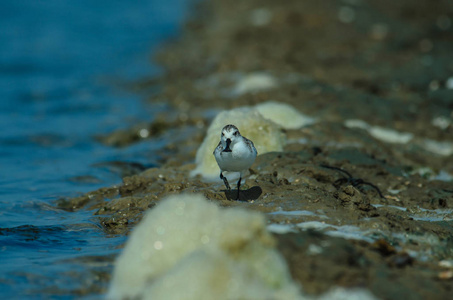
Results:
391 206
189 248
255 82
280 228
443 148
345 231
293 213
284 115
383 134
441 122
340 293
433 215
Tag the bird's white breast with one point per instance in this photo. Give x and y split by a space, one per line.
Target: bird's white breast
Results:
240 158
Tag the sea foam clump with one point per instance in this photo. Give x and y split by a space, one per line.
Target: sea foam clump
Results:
255 82
284 115
188 248
387 135
266 135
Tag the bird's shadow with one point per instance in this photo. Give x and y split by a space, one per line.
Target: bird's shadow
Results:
252 193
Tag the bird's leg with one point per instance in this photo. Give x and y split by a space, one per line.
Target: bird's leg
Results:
225 181
239 185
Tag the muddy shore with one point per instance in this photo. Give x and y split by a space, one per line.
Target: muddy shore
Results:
361 198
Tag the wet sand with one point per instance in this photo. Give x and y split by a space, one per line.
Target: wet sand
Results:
352 203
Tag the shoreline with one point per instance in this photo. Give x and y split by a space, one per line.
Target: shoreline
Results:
383 116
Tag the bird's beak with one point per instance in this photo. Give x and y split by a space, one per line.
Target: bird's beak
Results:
227 148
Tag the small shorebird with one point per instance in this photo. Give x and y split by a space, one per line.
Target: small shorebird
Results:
234 153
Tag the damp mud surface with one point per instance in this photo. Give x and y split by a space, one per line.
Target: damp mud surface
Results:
363 197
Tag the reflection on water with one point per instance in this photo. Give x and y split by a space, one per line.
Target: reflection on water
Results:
60 62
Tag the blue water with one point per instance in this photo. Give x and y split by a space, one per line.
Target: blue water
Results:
62 65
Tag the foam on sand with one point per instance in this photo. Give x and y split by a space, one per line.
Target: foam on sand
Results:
255 82
189 248
284 115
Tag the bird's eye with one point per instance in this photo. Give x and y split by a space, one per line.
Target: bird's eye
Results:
236 133
223 134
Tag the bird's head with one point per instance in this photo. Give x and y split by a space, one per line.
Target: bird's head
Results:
229 137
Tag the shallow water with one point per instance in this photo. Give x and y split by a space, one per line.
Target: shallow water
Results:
62 65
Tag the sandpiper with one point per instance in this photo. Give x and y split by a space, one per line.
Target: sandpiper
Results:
234 153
